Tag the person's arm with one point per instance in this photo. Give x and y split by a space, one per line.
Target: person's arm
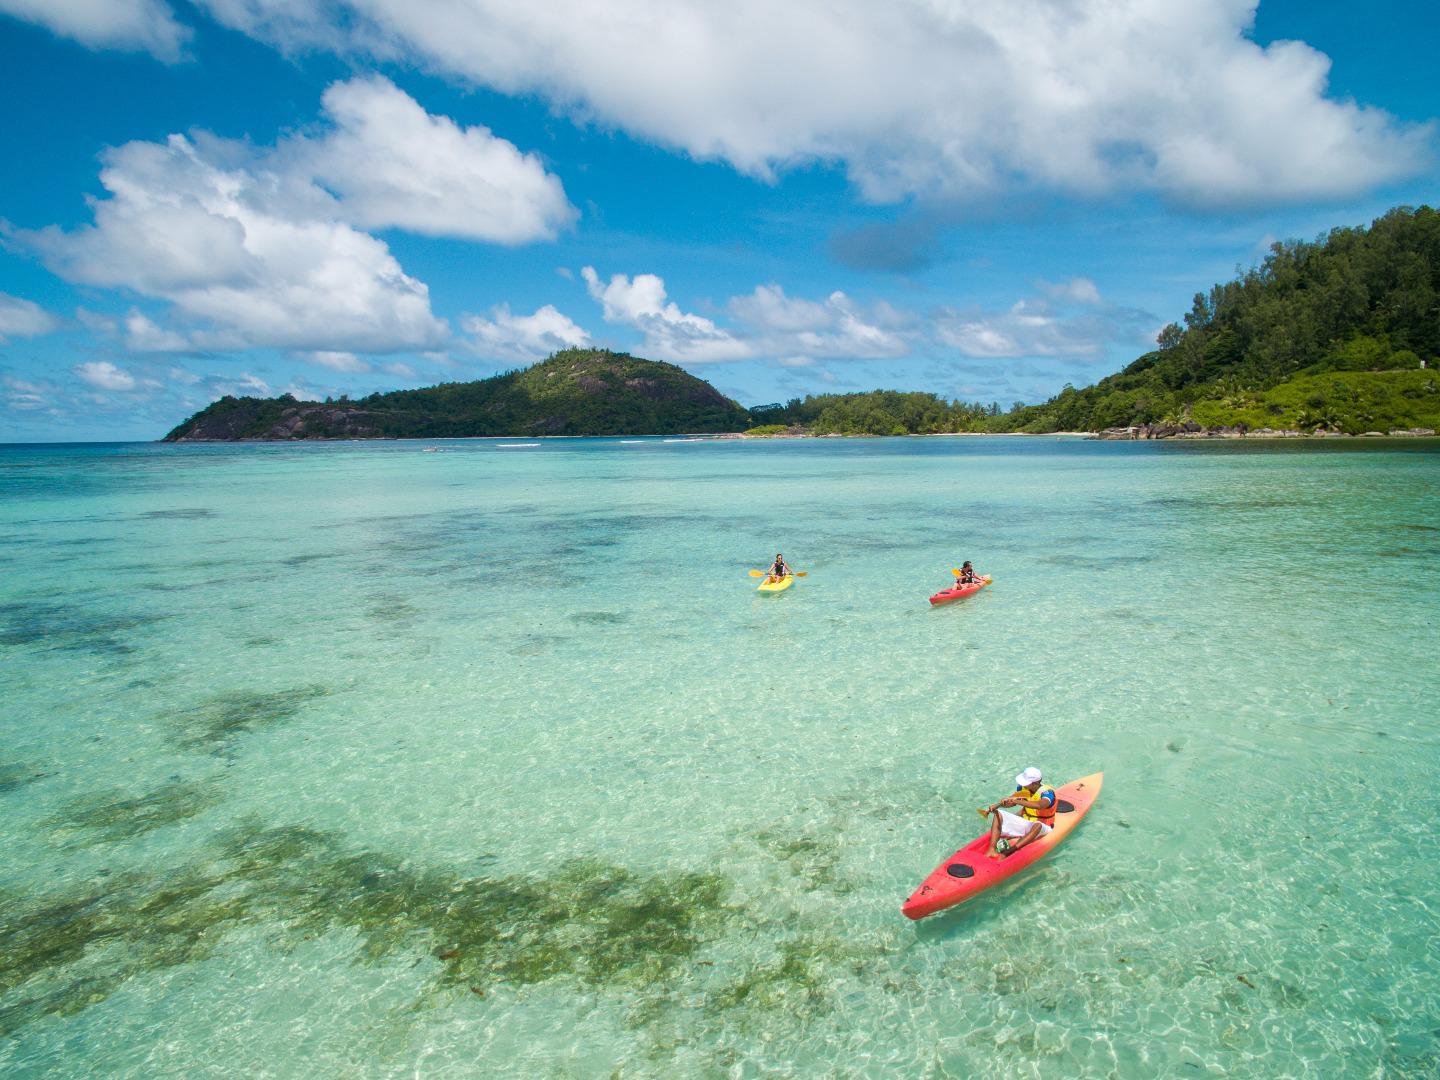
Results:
1040 802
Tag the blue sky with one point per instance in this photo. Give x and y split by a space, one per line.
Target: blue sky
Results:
982 199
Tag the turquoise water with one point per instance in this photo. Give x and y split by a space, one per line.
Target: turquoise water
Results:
354 760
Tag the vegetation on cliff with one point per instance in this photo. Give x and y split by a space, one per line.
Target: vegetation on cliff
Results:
1330 334
574 392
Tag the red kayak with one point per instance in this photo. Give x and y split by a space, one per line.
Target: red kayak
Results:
971 871
957 591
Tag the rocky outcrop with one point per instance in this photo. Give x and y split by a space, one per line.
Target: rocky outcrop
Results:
1192 430
300 421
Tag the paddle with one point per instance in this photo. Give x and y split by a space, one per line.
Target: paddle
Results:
762 573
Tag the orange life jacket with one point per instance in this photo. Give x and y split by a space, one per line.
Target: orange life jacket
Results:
1045 813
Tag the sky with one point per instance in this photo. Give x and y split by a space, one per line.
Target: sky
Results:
984 199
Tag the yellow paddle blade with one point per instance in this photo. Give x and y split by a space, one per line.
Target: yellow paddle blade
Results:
802 573
757 573
982 811
955 570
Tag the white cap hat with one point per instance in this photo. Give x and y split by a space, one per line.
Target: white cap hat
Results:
1028 777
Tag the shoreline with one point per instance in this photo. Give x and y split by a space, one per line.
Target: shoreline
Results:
1107 435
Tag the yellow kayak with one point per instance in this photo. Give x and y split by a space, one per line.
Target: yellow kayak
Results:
776 586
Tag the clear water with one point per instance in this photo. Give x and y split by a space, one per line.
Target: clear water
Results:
354 760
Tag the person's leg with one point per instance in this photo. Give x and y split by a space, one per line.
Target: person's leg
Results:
1034 833
994 833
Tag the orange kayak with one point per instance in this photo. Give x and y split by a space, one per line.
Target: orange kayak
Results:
970 871
957 591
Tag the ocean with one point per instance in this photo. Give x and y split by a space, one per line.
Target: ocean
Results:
354 759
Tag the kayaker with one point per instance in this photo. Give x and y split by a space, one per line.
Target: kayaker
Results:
779 569
1031 813
967 574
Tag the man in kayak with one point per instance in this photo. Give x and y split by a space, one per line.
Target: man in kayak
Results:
779 569
1031 813
967 574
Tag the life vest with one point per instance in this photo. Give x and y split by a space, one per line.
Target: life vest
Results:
1045 813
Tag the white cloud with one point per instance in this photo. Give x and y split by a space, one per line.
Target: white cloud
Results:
140 25
103 375
1078 290
913 97
1081 326
836 328
335 361
392 164
21 394
404 371
258 247
245 256
95 322
143 334
670 334
770 323
245 385
24 318
523 337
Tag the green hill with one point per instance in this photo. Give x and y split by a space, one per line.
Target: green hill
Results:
1268 348
574 392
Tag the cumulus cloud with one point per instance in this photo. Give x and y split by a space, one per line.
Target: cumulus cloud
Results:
24 318
136 25
103 375
1072 321
1078 290
392 164
670 334
144 335
838 327
242 385
913 97
523 337
243 256
335 361
23 395
256 247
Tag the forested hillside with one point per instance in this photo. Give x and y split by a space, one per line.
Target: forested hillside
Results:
574 392
1362 301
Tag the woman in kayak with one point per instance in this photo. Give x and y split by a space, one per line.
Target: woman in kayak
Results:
967 574
1031 815
779 569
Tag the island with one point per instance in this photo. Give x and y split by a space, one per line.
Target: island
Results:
574 392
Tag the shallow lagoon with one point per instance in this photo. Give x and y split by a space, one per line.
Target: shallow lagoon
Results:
350 759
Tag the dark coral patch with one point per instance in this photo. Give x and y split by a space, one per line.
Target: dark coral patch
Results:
216 720
111 816
589 920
